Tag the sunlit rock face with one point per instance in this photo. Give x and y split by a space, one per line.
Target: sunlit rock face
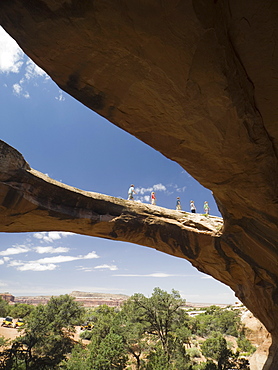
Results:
196 80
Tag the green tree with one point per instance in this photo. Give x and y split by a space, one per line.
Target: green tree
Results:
102 318
48 331
21 310
133 331
226 321
101 354
244 345
78 359
109 354
4 307
163 318
215 348
157 360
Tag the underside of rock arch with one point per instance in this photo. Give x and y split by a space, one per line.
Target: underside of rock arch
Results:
196 80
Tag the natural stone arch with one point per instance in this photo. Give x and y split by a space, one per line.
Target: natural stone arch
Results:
195 80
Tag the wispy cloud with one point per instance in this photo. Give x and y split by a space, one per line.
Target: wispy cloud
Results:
181 190
142 198
156 187
15 250
4 259
34 71
48 263
49 237
18 90
60 96
59 259
99 267
51 250
35 266
159 187
109 267
154 275
143 194
90 255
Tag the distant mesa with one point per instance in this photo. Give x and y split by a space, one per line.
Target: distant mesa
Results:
89 299
7 297
85 298
98 299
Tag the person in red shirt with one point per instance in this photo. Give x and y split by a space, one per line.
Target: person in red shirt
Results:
153 198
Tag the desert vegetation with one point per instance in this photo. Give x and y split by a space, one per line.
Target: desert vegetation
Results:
155 333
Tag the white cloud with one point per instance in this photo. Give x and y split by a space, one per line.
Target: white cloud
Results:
33 71
156 187
11 56
181 190
159 187
142 198
109 267
57 259
26 95
49 237
17 89
90 255
143 190
15 250
60 97
4 259
51 250
35 266
86 269
49 262
13 59
155 275
15 263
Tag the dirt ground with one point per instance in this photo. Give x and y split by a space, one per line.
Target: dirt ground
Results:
9 333
12 333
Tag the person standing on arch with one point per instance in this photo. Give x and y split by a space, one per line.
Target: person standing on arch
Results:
192 207
178 204
153 198
206 208
131 191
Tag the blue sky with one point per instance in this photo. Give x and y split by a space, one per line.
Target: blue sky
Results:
60 137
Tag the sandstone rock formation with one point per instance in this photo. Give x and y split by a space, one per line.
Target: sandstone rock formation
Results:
259 337
196 80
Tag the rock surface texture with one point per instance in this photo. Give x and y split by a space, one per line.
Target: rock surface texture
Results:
198 81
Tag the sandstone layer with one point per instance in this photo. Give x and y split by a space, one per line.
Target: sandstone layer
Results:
196 80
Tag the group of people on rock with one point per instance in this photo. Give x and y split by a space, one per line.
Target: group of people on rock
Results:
192 206
131 192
